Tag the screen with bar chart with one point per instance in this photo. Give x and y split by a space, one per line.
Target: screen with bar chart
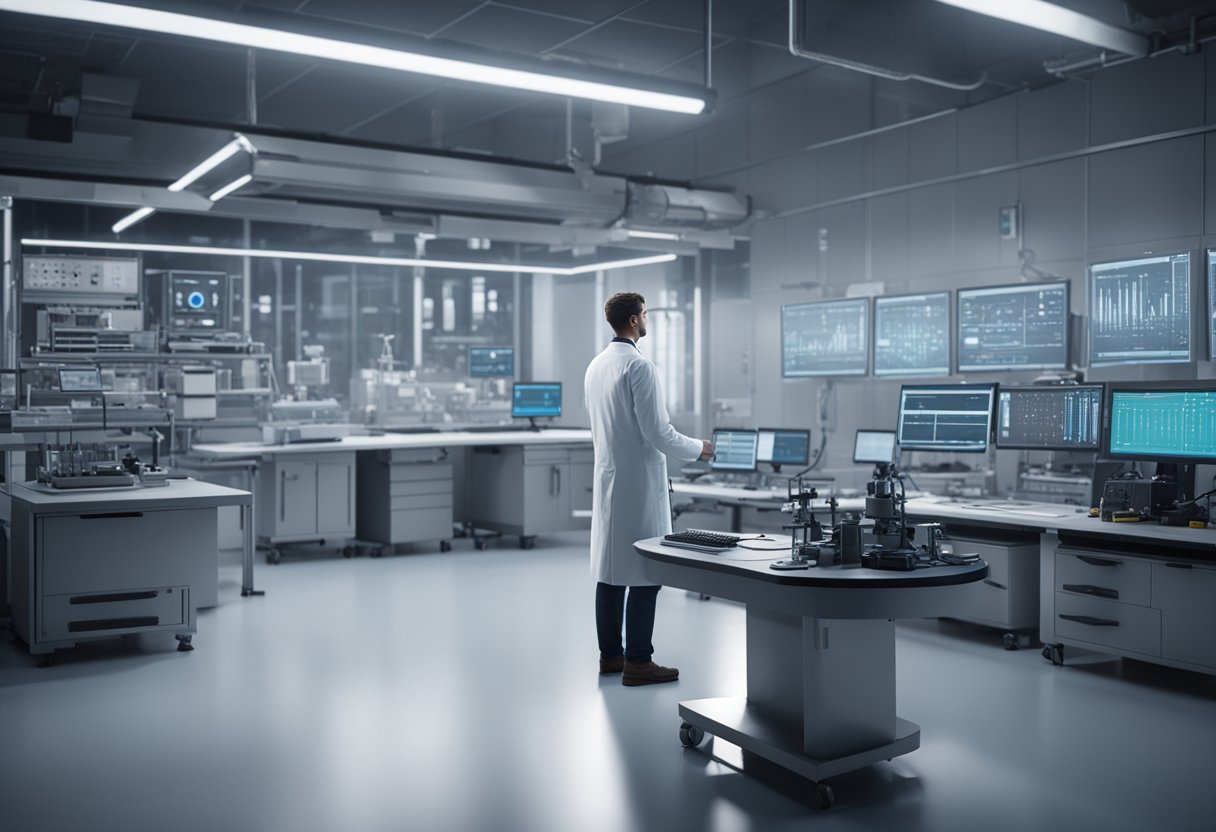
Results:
1140 311
1049 418
1167 422
825 338
912 335
1018 327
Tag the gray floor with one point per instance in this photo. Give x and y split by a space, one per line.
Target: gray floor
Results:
459 692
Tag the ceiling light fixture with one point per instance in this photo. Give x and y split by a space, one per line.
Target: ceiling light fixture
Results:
132 218
211 162
363 259
239 182
652 235
257 37
1058 20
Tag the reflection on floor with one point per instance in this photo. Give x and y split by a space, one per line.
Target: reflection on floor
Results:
459 692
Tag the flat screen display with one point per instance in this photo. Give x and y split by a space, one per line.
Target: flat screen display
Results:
536 398
734 450
80 379
1018 327
912 335
779 446
825 338
1156 422
946 417
198 300
1061 418
1140 311
491 362
874 446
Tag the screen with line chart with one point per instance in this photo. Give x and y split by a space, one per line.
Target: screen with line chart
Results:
1140 311
1018 327
1173 423
825 338
912 335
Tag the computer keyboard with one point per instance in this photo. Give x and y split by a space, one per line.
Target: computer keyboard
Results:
701 537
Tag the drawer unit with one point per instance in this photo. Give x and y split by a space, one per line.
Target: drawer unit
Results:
1009 597
405 496
65 617
1102 575
1105 623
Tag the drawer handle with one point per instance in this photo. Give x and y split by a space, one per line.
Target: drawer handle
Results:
1088 589
1092 561
112 597
995 584
108 515
1090 620
113 623
1180 565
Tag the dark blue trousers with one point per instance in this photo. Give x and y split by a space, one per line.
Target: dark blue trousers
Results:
637 615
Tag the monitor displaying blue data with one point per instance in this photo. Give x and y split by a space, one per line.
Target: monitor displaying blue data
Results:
1169 424
876 447
1058 418
1018 327
734 450
1140 311
491 362
825 338
781 446
912 335
536 398
946 417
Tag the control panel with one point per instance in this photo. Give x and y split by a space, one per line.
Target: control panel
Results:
111 277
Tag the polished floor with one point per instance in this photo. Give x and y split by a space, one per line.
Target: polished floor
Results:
459 692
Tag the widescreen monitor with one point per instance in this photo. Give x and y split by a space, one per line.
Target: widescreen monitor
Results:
1170 422
783 446
876 447
825 338
945 417
1050 418
1019 327
1140 311
535 399
734 450
80 379
912 335
491 362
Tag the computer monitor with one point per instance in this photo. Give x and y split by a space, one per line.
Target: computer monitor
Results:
1165 422
945 417
783 446
734 450
825 338
876 447
80 379
1140 311
1055 418
536 398
491 362
197 301
1018 327
912 335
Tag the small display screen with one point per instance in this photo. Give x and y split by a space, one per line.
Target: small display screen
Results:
874 446
536 399
954 418
777 446
734 450
80 379
197 301
1066 418
491 362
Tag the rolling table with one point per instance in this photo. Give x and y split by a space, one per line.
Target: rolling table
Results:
820 656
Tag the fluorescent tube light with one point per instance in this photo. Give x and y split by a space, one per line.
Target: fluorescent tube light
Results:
210 163
257 37
239 182
652 235
363 259
1058 20
132 218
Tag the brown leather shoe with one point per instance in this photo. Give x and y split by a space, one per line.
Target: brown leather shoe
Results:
613 665
648 673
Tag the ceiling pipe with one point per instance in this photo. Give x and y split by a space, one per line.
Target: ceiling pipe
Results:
869 69
1102 60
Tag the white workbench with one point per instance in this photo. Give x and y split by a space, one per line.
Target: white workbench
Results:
394 441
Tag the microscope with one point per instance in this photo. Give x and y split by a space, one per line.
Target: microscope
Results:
807 540
885 507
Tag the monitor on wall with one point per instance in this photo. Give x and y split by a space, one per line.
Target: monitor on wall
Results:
912 335
1023 326
1140 311
825 338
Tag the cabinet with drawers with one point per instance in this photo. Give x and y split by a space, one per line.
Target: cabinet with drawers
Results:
530 489
405 496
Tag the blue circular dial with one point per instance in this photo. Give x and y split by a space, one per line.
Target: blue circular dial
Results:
196 300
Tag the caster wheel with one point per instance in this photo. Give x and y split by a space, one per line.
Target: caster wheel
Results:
479 544
445 546
377 552
825 795
690 735
45 660
274 557
185 644
348 552
527 542
703 597
1011 641
1054 653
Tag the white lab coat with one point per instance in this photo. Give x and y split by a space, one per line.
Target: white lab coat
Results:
631 432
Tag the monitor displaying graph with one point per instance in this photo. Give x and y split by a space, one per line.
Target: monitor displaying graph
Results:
912 335
1167 422
945 417
825 338
1049 418
1140 311
1018 327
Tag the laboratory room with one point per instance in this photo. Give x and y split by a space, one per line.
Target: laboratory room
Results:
607 415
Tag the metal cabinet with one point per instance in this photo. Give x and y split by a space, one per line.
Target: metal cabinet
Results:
307 497
530 489
1185 593
1008 597
405 496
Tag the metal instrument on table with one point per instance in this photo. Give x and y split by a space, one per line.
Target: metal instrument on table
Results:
807 543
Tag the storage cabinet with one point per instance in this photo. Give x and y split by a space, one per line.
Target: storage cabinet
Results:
307 497
1009 597
531 489
405 497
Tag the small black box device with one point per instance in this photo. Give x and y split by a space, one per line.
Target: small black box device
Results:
1150 497
888 560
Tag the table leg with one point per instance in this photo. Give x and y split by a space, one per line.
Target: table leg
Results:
250 537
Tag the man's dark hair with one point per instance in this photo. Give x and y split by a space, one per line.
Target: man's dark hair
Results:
620 306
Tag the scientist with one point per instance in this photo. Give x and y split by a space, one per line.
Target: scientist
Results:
631 432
